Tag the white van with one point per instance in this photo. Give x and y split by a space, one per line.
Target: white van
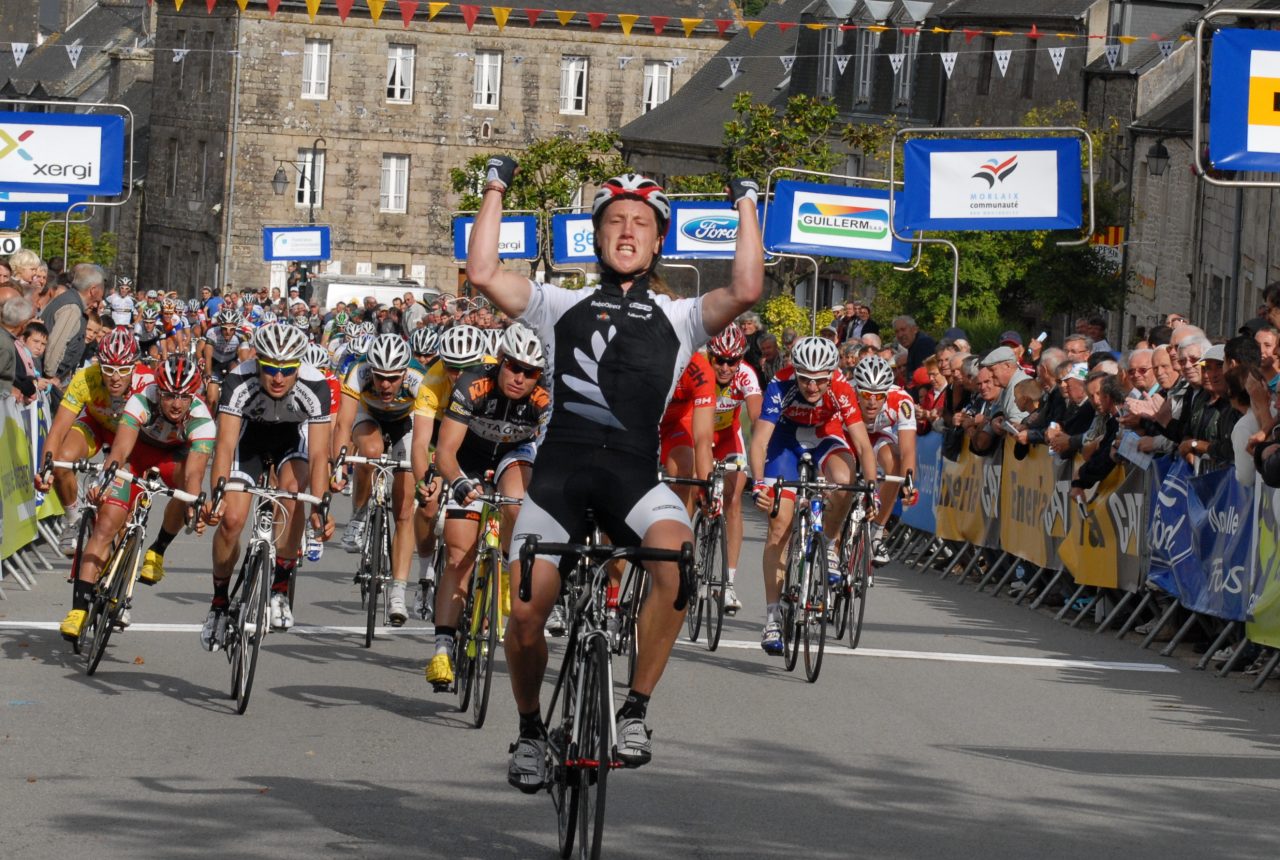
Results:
328 290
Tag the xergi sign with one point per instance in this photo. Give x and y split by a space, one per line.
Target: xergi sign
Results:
69 153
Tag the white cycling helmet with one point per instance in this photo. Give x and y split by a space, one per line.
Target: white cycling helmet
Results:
873 375
462 345
353 329
424 341
268 317
493 340
228 317
521 344
814 355
316 356
388 354
368 328
359 344
279 343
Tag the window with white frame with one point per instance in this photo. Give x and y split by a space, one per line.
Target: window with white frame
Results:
395 183
909 47
389 270
181 67
400 74
315 68
864 65
657 84
573 85
827 40
310 178
487 91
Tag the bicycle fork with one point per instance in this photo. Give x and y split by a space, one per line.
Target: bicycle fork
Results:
579 701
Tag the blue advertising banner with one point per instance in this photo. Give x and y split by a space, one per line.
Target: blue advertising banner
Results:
832 221
928 474
572 238
295 243
62 152
1244 103
991 184
517 238
1169 531
10 219
24 201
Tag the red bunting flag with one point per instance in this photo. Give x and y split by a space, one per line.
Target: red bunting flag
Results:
408 8
469 15
723 24
844 28
969 34
272 6
1156 37
532 15
209 4
784 26
658 22
595 19
344 9
1035 33
910 31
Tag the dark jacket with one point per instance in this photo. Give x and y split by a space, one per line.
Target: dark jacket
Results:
1100 464
67 319
921 348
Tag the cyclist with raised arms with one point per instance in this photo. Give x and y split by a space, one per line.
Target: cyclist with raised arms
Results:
378 399
226 344
166 427
890 416
736 384
87 418
616 350
274 409
808 408
493 416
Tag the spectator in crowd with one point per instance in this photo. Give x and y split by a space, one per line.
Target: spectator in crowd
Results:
412 314
850 352
14 314
1159 336
1106 394
789 337
1241 349
1140 375
772 358
1174 320
23 264
1246 425
6 274
931 398
918 345
1003 363
753 328
1268 338
1096 328
1051 403
67 318
1208 432
847 321
35 336
210 301
1067 439
1013 340
1078 347
830 333
1030 398
983 436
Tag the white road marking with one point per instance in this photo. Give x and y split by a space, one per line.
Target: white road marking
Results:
302 629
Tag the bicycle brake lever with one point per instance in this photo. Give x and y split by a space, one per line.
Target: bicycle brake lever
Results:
527 551
688 582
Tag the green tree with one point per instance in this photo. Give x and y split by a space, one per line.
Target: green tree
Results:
552 171
82 247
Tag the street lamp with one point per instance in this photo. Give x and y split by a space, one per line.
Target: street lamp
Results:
281 179
1157 158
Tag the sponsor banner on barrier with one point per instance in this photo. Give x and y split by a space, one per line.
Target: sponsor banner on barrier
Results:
62 153
1108 548
969 499
1244 113
1032 505
701 230
517 237
17 488
1263 619
928 474
991 184
573 238
832 221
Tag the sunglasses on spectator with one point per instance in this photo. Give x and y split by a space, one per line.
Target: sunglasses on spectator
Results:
525 370
273 369
116 369
726 360
812 380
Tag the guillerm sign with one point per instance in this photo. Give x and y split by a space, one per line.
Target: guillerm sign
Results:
832 221
992 184
62 153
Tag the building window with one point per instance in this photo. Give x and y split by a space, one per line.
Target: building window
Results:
180 76
1029 73
909 46
310 176
173 167
395 183
488 82
573 85
657 84
400 74
864 67
206 70
315 69
827 61
986 64
203 152
389 270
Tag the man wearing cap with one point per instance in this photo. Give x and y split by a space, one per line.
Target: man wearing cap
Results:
1007 374
1013 340
1211 418
1067 439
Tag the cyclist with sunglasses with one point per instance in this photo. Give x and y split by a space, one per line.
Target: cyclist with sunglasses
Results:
165 427
493 417
88 416
148 334
808 408
226 344
890 416
687 427
736 385
174 331
273 409
378 399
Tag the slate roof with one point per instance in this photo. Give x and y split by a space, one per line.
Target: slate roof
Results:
47 71
1172 115
1014 9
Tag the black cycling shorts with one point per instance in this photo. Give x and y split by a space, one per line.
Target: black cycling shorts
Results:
261 441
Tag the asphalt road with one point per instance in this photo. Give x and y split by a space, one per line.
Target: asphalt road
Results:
963 727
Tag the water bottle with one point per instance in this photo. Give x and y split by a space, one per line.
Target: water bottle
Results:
315 548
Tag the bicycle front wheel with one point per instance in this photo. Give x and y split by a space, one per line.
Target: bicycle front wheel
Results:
594 748
813 613
861 572
109 598
251 627
485 634
464 663
375 561
693 613
789 606
714 563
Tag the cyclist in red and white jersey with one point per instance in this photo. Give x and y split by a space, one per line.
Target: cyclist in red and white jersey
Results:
687 427
890 416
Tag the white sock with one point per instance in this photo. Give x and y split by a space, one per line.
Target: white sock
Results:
733 572
877 531
396 590
427 567
444 644
770 613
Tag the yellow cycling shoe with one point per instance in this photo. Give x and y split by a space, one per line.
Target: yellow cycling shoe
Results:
440 672
152 568
70 626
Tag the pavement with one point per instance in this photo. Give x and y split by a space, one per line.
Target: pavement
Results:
963 726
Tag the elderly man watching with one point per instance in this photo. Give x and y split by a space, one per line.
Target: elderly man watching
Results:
919 345
14 314
1003 363
67 317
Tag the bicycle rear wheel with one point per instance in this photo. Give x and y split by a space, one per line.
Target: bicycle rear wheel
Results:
84 528
251 627
594 746
714 560
108 600
375 560
487 636
861 572
464 665
813 612
564 785
789 606
635 587
693 613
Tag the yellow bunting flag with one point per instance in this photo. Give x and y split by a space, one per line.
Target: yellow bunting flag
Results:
500 15
243 4
689 24
564 17
816 26
753 27
177 5
434 9
375 8
1127 40
876 28
313 6
627 22
1001 32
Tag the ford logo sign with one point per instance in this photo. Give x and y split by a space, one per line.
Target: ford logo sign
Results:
712 228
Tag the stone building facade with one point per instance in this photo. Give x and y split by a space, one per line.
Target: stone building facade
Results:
392 109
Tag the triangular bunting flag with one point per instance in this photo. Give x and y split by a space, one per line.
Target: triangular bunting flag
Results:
313 7
627 22
787 62
208 6
895 60
1034 34
180 54
659 22
272 6
815 26
1113 54
784 26
689 25
73 54
408 8
1056 54
564 17
1127 40
969 34
532 15
1002 60
842 62
243 4
1155 37
622 61
753 27
595 19
735 63
723 24
910 31
19 52
375 8
1001 33
177 5
344 9
500 16
469 14
948 62
1166 48
676 62
434 9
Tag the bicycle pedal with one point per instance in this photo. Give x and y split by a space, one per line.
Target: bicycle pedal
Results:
441 687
